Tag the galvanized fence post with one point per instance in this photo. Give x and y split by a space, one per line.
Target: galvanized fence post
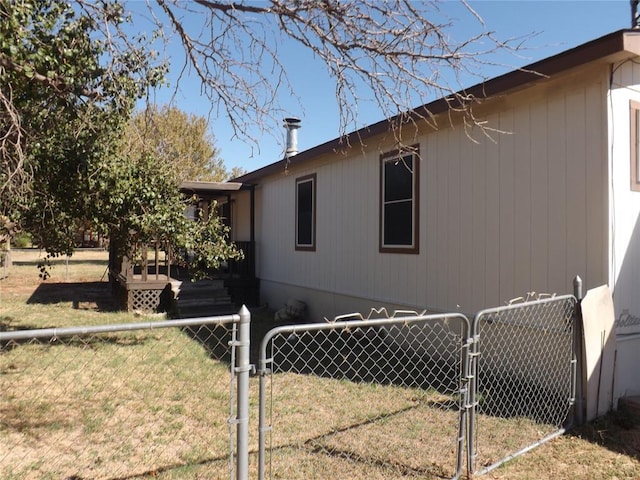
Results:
473 353
578 353
243 369
263 371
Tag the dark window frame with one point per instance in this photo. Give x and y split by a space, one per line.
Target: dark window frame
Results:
311 246
397 156
634 110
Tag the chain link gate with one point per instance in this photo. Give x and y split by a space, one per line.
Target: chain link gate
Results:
523 379
125 400
365 398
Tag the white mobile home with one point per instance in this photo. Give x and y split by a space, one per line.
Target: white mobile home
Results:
457 225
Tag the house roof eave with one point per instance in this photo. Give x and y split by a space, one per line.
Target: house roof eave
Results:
614 47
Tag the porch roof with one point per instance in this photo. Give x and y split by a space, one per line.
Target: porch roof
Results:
209 189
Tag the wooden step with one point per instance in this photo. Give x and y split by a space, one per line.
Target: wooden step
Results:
207 311
203 293
204 301
195 288
203 298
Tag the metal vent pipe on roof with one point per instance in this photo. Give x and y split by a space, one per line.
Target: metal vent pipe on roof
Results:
292 124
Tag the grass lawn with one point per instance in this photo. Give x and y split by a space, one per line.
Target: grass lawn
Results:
155 404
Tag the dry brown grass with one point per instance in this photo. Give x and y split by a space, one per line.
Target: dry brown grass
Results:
109 406
155 405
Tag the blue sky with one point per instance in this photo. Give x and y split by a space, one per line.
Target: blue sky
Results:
557 25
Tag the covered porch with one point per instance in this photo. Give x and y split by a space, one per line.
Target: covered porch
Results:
150 279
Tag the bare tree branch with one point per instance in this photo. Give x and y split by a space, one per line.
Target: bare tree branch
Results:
12 157
400 54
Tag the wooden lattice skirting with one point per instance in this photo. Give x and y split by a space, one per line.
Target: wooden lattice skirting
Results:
143 296
144 300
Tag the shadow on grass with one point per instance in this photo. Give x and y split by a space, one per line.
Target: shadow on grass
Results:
368 356
316 445
78 341
216 338
168 469
357 357
83 295
618 431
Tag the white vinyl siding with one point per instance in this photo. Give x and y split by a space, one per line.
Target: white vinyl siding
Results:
497 219
624 200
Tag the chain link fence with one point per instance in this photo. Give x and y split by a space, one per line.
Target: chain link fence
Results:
388 398
380 397
523 384
119 401
364 398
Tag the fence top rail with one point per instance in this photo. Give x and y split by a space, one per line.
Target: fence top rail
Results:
354 324
519 305
116 327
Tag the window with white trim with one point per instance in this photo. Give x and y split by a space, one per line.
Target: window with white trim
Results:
399 201
306 213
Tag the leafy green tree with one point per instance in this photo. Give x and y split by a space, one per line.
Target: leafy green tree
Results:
237 172
155 213
63 103
181 141
66 95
